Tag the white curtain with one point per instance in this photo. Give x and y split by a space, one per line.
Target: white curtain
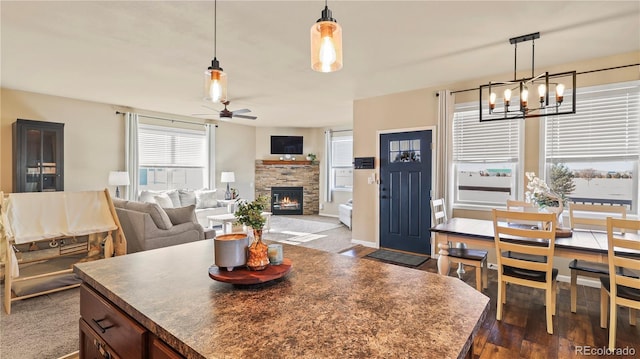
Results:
210 138
327 166
131 154
443 187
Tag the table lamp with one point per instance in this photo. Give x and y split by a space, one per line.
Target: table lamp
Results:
118 178
227 177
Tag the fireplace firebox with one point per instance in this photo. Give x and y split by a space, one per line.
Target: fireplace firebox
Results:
286 200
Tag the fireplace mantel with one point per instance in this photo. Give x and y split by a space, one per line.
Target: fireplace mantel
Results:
284 163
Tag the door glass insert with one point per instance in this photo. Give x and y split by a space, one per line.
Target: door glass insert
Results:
404 151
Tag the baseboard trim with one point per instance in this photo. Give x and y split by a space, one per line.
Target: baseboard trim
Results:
365 243
593 283
328 215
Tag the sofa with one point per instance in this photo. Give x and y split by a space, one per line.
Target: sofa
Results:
148 226
205 201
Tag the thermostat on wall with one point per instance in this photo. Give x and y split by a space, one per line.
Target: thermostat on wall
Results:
360 163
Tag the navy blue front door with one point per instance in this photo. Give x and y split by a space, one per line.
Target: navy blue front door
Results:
405 187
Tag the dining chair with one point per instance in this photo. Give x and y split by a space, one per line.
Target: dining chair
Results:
624 290
521 206
589 216
513 204
526 240
472 257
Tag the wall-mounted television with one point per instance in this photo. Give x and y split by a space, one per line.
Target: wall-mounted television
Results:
286 145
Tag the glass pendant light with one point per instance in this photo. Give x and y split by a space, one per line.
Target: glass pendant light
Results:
215 80
326 43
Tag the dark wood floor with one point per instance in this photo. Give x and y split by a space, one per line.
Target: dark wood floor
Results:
522 333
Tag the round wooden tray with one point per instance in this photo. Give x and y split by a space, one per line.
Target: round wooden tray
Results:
243 275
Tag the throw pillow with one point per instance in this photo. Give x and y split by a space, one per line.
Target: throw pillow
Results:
182 214
158 215
147 196
163 200
206 199
175 197
187 197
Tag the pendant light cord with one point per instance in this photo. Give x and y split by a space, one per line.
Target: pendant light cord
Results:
215 27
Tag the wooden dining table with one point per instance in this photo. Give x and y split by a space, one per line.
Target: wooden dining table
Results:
588 245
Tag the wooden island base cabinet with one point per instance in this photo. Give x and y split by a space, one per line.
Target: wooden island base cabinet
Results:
107 332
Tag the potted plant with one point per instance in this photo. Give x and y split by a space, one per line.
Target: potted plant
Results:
250 215
311 157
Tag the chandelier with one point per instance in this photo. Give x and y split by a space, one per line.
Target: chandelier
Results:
326 43
215 80
518 102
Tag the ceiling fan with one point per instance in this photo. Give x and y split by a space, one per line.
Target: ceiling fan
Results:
226 114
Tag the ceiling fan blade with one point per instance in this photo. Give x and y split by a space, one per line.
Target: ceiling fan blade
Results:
242 110
245 116
204 114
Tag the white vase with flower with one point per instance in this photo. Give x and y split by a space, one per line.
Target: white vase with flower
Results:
539 193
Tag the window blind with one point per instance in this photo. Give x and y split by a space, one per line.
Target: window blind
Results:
475 141
606 124
342 152
171 147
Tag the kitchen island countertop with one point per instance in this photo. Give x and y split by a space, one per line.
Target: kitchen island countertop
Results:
329 306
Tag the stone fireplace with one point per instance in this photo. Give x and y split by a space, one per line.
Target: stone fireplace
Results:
286 174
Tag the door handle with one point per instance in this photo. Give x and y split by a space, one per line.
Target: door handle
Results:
101 349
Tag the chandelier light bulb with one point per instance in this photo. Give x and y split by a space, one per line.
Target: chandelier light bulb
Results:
215 91
327 48
524 97
559 93
507 97
492 101
542 90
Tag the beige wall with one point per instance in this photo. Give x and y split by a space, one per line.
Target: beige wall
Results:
419 108
93 137
235 152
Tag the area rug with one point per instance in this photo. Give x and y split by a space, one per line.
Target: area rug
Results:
299 237
410 260
281 224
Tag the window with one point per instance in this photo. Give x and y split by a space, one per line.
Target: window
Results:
341 163
171 158
404 151
486 157
599 144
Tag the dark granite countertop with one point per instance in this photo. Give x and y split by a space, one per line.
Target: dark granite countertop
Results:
329 306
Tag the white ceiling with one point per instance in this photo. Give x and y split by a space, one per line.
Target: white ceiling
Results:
152 55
